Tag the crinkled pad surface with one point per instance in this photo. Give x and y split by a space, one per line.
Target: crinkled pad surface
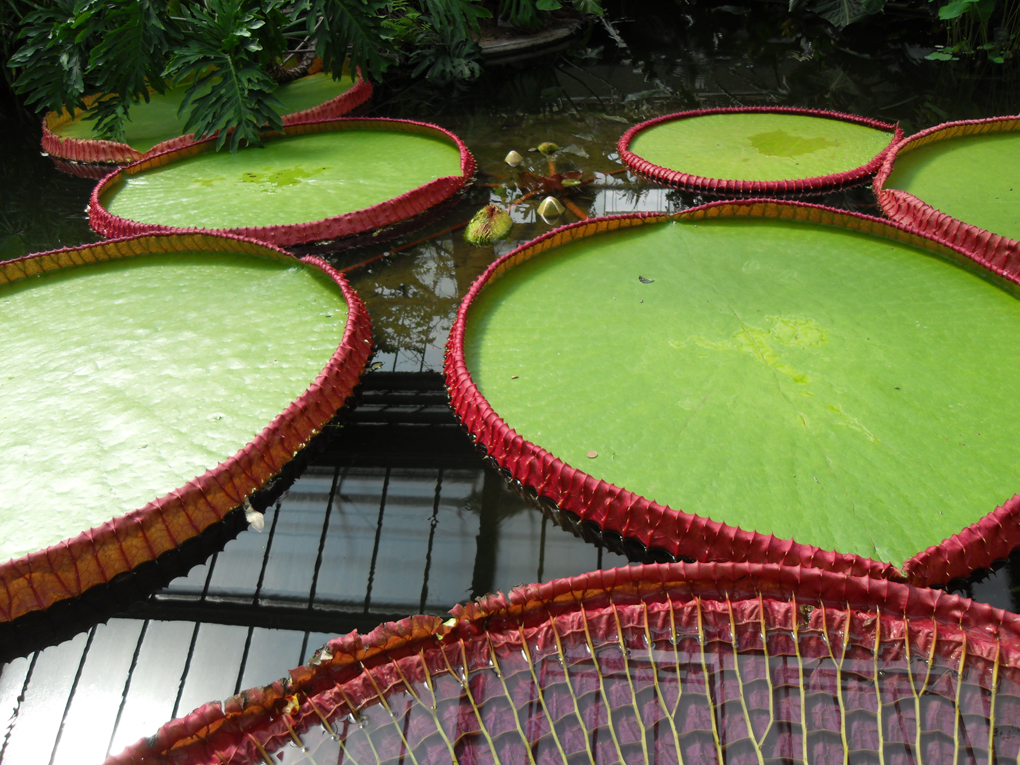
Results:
156 121
759 146
975 179
839 389
123 380
295 179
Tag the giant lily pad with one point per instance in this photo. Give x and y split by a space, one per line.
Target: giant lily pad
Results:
154 126
317 181
156 381
829 395
756 150
661 664
959 182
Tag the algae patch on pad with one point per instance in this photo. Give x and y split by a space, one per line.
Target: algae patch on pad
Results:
291 180
123 380
843 390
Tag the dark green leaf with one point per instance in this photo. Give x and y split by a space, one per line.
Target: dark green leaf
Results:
840 13
592 7
953 10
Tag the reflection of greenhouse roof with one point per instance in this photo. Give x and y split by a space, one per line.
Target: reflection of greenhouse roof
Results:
155 125
756 150
317 181
958 182
720 367
678 663
161 423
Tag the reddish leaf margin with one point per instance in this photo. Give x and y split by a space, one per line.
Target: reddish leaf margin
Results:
260 720
660 528
997 253
737 187
407 205
99 151
38 580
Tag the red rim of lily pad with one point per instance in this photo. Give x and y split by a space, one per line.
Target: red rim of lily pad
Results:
665 614
733 186
99 151
407 205
997 253
36 581
667 533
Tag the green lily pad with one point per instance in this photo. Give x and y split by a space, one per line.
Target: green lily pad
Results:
759 146
157 121
840 389
293 179
123 380
973 178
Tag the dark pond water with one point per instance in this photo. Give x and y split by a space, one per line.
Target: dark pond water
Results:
398 515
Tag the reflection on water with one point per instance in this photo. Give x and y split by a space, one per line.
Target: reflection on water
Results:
666 682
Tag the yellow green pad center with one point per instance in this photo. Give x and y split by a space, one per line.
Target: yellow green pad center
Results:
839 389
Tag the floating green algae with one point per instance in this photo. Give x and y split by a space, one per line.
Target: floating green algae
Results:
295 179
843 390
759 146
156 121
123 380
974 178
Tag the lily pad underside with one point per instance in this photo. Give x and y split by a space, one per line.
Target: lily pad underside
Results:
768 379
756 150
155 126
142 390
317 181
959 182
695 663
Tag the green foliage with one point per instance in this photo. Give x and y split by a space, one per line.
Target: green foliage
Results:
229 90
404 24
225 49
53 56
447 58
840 13
130 55
972 25
441 46
528 13
338 25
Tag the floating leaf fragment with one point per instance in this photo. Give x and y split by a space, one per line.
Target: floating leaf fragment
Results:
548 147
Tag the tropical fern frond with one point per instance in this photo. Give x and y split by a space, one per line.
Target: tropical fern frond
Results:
129 58
53 57
230 93
341 26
